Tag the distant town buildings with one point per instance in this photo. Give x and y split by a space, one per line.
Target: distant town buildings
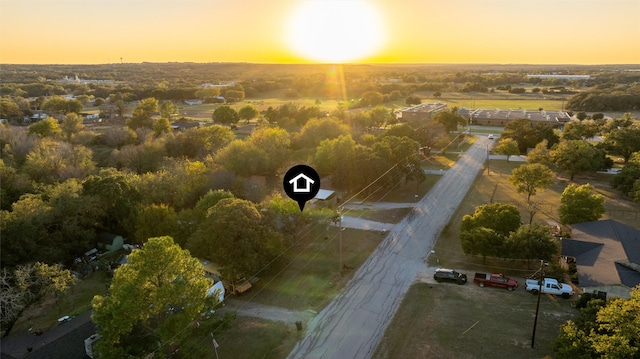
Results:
496 117
561 77
423 111
499 117
76 79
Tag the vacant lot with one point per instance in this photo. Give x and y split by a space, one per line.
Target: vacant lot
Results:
451 321
308 276
248 338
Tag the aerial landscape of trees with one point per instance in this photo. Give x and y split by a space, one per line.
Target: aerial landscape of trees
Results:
208 185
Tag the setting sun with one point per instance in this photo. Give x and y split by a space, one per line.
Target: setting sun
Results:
335 31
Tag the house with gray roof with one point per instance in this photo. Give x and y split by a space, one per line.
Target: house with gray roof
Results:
607 256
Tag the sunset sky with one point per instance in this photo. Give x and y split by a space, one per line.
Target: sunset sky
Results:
260 31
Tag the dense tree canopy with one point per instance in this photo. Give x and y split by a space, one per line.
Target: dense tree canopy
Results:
528 134
486 231
26 284
602 330
234 237
450 119
576 156
580 204
629 177
623 142
225 115
152 301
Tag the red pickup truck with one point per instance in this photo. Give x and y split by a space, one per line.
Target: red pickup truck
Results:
495 280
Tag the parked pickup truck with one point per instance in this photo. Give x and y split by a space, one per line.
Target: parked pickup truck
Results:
495 280
549 286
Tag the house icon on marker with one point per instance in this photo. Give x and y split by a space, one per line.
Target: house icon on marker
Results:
296 181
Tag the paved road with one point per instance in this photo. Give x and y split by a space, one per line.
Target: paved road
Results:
351 326
250 309
365 224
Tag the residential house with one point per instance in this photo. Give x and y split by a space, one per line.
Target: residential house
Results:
607 256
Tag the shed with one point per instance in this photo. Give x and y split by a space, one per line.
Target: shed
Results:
109 241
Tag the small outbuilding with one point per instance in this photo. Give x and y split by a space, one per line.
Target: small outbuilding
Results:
109 241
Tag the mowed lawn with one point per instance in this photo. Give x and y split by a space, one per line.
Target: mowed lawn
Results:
451 321
308 275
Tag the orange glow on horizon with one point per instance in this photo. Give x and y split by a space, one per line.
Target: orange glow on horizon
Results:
437 31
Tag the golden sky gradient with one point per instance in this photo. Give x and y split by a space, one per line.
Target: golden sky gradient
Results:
415 31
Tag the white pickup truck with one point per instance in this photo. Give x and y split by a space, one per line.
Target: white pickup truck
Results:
549 286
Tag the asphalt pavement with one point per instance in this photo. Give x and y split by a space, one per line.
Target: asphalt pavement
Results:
352 325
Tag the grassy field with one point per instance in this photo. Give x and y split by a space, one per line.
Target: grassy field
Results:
451 321
309 276
501 100
249 338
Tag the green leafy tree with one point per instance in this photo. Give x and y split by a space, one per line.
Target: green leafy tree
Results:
334 154
161 127
623 142
573 341
234 236
48 127
152 301
155 220
610 330
502 218
507 147
275 143
529 134
540 154
532 241
528 178
449 119
57 105
225 115
9 109
485 232
26 285
371 98
403 153
483 241
317 130
52 161
167 109
146 157
141 117
243 158
580 204
380 115
628 176
576 156
209 200
234 95
71 125
199 142
115 194
248 112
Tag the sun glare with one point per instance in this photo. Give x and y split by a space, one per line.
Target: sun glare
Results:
335 31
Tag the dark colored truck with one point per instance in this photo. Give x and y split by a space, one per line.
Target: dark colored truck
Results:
495 280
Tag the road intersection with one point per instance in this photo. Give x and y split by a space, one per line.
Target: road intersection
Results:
353 323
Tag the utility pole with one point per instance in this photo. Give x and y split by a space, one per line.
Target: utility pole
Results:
340 229
535 321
